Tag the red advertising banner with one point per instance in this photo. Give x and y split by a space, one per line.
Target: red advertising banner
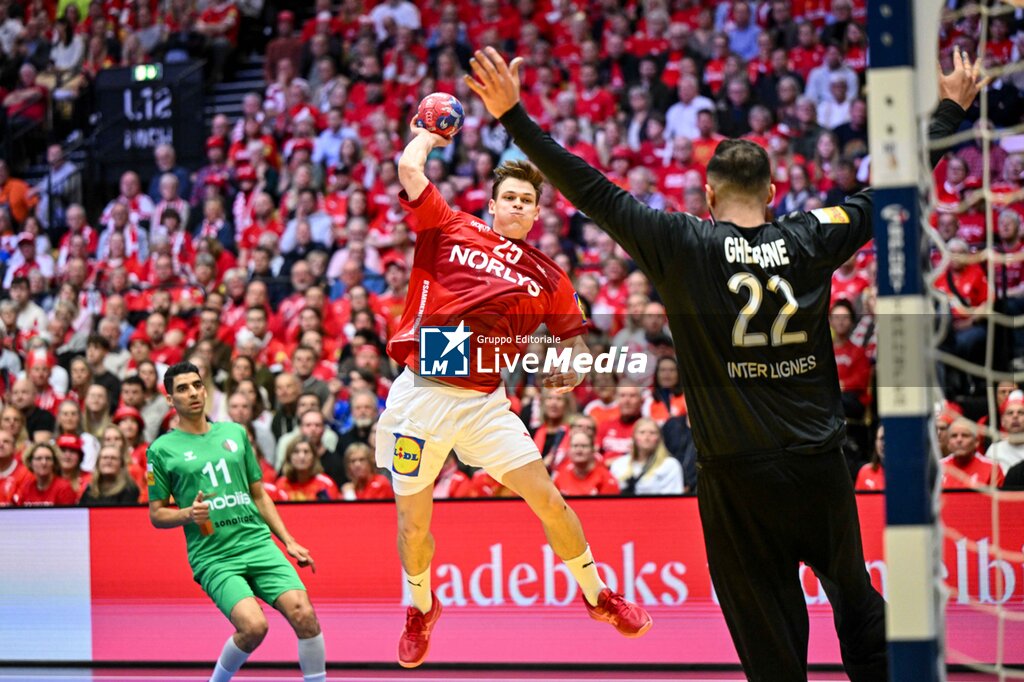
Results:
508 599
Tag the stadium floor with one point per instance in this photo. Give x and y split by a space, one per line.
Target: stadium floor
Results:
423 675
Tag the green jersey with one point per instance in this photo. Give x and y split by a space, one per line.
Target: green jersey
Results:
222 464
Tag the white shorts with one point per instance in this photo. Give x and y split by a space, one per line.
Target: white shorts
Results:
424 420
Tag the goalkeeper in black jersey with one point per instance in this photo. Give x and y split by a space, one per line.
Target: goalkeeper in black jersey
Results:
747 302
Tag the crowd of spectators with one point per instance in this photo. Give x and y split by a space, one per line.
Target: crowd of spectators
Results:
280 265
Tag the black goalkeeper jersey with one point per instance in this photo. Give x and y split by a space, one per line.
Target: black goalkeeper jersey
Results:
747 307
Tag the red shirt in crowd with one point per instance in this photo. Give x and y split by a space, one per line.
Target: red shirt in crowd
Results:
802 59
704 148
220 12
275 493
452 483
320 487
848 287
1009 276
59 492
11 480
597 105
598 482
601 412
854 368
379 488
975 472
868 478
971 286
615 437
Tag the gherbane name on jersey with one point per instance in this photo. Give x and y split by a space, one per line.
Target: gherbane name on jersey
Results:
770 255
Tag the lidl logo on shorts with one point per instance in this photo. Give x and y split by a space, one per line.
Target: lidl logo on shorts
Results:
444 351
408 455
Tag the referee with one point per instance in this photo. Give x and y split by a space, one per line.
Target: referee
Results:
747 304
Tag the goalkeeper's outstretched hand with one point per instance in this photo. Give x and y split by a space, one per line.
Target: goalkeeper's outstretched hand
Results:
965 82
495 82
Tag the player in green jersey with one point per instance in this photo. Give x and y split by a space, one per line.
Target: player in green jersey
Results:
228 526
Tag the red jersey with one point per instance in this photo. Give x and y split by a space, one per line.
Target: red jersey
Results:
452 484
11 480
870 479
661 413
802 60
1009 276
848 287
501 289
615 437
601 412
221 12
59 492
974 473
597 105
92 242
320 487
714 74
275 493
377 489
971 288
704 148
484 485
854 369
972 228
598 482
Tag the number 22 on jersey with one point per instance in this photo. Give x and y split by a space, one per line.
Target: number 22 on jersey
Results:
741 338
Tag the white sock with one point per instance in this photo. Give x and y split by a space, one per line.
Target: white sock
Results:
419 586
312 659
231 659
584 569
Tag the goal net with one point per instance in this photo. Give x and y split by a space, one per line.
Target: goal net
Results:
950 319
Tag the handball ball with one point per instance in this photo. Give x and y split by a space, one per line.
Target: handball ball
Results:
440 113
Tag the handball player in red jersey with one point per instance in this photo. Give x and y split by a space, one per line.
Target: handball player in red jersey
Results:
492 288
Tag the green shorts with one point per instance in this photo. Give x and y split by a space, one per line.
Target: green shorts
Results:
263 572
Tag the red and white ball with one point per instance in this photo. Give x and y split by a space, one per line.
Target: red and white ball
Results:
441 113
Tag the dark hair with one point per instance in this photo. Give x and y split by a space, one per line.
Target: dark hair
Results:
175 370
316 312
69 33
740 168
843 303
97 340
518 170
304 349
134 380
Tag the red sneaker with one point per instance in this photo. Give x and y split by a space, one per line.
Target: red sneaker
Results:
415 641
629 619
